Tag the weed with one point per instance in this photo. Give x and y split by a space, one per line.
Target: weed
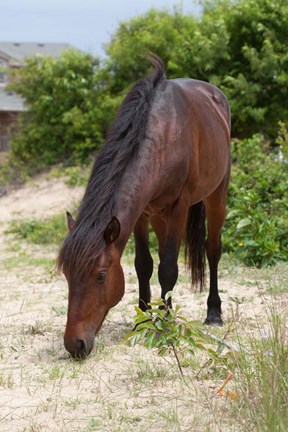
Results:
56 372
39 328
6 382
24 259
77 175
47 231
168 330
59 310
171 418
94 424
149 370
72 403
263 378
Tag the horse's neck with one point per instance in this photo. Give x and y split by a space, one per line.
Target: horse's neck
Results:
135 192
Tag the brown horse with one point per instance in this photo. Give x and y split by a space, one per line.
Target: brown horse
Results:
166 161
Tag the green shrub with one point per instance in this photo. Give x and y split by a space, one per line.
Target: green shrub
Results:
68 113
257 220
45 231
168 331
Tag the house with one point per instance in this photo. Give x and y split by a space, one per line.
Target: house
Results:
12 55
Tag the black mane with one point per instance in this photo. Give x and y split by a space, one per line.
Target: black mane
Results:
85 241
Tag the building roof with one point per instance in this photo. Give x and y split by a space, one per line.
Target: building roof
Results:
10 101
15 52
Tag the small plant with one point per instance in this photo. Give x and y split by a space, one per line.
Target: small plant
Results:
169 331
77 175
59 310
263 377
47 231
56 372
6 382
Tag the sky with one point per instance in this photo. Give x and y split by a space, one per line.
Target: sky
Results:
86 24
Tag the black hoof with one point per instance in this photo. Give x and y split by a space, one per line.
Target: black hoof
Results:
215 323
214 318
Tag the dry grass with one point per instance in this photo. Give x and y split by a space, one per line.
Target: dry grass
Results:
118 388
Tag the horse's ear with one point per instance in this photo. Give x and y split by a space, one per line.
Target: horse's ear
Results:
70 221
112 231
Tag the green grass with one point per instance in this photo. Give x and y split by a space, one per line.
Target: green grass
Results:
27 260
50 230
59 310
262 378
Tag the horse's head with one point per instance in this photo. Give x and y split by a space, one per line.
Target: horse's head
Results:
92 295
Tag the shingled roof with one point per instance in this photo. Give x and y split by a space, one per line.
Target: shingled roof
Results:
10 101
15 52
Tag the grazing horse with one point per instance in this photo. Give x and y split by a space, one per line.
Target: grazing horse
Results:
166 161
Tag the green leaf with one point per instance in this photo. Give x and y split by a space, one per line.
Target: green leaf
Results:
243 223
150 340
232 213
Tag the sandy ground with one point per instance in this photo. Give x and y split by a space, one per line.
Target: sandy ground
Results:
118 388
39 198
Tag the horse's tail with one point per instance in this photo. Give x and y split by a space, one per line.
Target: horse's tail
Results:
195 243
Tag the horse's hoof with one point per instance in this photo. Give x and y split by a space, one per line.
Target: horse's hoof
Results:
214 319
213 322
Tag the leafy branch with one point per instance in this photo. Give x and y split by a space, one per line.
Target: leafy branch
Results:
169 331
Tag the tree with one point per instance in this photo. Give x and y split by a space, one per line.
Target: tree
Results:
239 46
257 81
63 101
157 31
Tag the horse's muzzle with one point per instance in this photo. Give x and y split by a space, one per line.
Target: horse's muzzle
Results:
79 348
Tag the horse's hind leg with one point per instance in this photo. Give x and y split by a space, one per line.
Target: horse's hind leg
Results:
143 260
215 212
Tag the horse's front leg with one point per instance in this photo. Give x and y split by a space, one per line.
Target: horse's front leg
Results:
168 268
143 261
169 239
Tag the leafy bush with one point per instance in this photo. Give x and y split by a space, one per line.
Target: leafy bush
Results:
12 171
75 175
68 113
169 331
47 231
257 221
239 46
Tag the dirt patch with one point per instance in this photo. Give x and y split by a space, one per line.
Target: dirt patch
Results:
118 388
39 198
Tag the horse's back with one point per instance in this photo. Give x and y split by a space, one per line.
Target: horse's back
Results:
204 99
190 121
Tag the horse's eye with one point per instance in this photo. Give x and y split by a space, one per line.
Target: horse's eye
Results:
101 277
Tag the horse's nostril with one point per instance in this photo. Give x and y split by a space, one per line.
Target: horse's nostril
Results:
80 348
80 344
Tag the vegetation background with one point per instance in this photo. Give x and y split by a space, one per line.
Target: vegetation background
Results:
241 47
